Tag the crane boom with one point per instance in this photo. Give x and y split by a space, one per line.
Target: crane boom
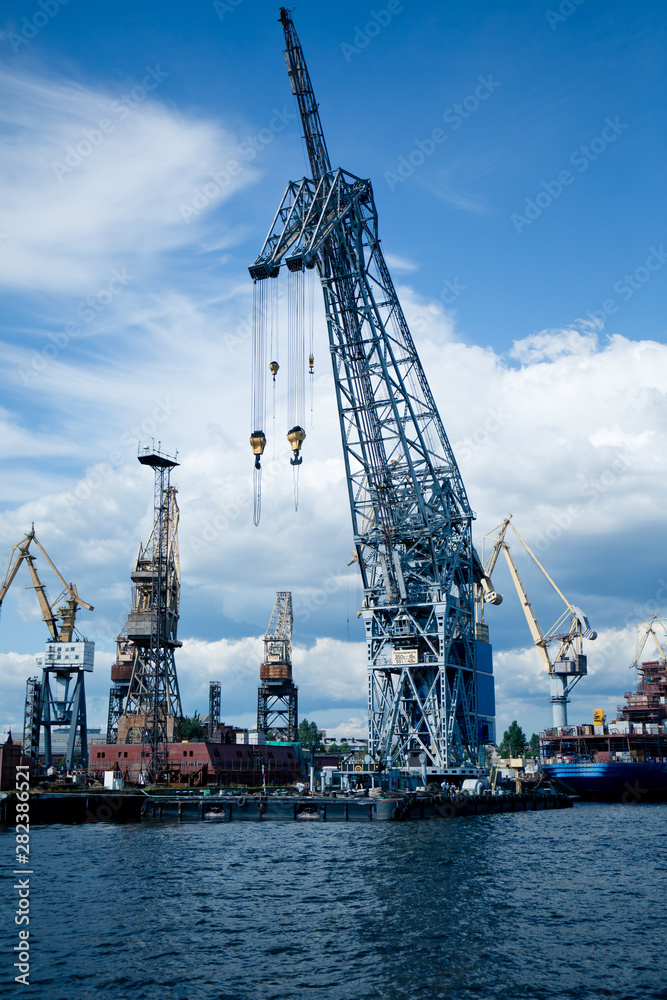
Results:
302 89
20 553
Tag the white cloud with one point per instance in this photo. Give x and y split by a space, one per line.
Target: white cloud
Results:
72 217
568 433
400 264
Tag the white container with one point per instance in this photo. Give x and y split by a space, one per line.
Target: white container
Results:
113 781
256 739
242 738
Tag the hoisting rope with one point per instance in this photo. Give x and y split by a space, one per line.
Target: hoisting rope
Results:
258 382
257 494
296 371
311 335
274 349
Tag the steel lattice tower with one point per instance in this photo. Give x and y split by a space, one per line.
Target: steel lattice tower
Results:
410 514
214 688
277 699
151 704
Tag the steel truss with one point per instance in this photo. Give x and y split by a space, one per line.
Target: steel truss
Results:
410 513
152 711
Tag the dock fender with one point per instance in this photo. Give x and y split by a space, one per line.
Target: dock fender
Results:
242 800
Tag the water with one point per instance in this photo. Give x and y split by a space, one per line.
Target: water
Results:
565 904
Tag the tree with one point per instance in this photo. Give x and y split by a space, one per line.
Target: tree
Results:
345 747
534 746
308 735
191 727
514 741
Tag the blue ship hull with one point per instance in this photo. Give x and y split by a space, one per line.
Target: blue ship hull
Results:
614 781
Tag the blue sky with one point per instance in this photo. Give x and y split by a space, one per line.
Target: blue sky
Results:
516 153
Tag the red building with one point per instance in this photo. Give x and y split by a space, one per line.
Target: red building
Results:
11 757
209 763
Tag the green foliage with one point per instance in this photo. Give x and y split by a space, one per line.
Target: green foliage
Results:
514 741
345 747
308 735
191 727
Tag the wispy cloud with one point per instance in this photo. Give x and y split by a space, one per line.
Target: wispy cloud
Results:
90 183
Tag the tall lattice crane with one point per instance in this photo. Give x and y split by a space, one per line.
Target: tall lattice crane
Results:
54 700
410 513
145 702
277 695
568 664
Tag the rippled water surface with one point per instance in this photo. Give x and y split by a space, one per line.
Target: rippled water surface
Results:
561 905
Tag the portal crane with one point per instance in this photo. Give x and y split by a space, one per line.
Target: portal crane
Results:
66 656
410 513
644 630
145 701
569 664
277 695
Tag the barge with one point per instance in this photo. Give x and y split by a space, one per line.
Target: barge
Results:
137 806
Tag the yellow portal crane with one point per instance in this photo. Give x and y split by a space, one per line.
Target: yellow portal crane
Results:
570 663
65 657
644 630
67 612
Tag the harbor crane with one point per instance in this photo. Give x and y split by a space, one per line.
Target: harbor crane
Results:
569 664
54 701
277 695
644 630
411 518
145 701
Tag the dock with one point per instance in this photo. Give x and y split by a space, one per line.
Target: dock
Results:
131 806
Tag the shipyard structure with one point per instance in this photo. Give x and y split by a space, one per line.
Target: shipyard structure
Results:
624 758
144 740
430 682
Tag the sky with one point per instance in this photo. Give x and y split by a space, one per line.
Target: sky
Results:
516 151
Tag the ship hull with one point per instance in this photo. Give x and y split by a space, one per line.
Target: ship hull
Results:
614 781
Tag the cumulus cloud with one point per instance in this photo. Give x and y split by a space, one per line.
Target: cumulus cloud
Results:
566 432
